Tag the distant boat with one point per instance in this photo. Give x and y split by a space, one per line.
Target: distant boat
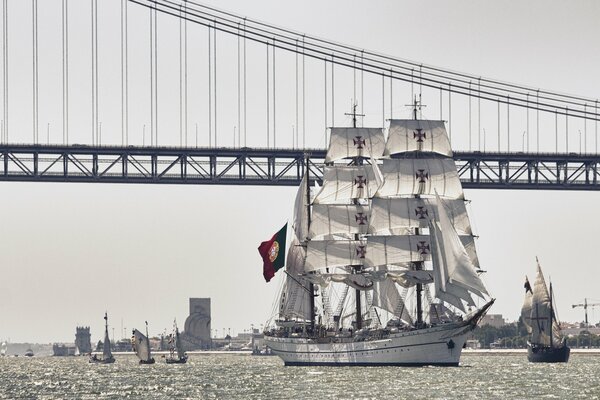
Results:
546 343
107 357
29 353
141 346
3 348
176 353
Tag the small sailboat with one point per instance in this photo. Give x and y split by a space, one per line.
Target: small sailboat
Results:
107 357
3 348
141 346
176 353
546 343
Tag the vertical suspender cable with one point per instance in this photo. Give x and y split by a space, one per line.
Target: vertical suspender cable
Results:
584 129
556 128
245 119
122 73
65 79
209 88
155 76
450 112
97 124
479 114
93 76
527 120
239 90
151 76
303 93
215 77
126 78
392 95
537 124
596 127
180 78
268 92
325 102
567 130
35 71
332 91
296 67
362 86
498 125
441 105
185 75
470 118
508 122
274 100
382 99
5 67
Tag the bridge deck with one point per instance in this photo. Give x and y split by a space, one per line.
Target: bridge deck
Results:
271 167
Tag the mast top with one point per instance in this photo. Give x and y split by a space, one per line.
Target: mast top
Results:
353 114
417 105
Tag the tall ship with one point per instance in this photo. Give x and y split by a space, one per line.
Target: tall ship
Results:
382 268
107 357
546 343
141 346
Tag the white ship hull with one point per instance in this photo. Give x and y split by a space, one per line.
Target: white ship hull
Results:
439 345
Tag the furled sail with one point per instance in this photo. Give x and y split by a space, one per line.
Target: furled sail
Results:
341 185
394 216
455 274
141 345
541 313
417 135
355 142
420 176
322 254
343 220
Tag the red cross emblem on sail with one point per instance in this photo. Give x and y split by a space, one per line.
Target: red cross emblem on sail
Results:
361 218
359 181
421 176
421 212
423 248
361 251
420 135
359 142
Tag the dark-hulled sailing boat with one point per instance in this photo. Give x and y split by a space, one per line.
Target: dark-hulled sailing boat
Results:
546 343
141 346
107 357
176 353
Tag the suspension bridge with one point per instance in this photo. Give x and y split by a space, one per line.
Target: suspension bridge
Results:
177 92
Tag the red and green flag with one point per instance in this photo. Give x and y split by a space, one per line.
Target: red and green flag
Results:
273 253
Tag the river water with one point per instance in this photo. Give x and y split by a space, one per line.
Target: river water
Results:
231 376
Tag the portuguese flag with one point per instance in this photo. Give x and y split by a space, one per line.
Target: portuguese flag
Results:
273 253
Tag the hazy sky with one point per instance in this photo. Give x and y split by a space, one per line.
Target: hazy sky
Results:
72 251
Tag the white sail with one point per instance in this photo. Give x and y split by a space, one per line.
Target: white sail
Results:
106 352
420 176
341 185
526 308
386 296
455 273
178 344
394 216
355 142
141 345
397 250
344 220
300 223
295 297
334 253
417 135
541 314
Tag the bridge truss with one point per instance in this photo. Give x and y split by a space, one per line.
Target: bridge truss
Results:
271 167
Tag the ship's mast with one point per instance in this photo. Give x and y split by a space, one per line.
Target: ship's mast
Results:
311 286
357 268
419 264
551 314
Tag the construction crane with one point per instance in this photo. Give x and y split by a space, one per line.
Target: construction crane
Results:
585 306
